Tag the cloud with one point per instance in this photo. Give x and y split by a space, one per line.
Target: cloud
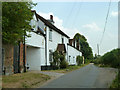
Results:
114 13
59 24
93 26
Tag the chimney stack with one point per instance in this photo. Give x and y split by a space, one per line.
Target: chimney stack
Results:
51 17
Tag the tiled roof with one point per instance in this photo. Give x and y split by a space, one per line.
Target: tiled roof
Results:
47 23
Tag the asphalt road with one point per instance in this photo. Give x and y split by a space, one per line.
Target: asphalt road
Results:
89 76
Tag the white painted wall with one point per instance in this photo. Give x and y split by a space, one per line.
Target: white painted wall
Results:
41 24
56 39
35 40
39 41
73 53
34 22
43 57
33 58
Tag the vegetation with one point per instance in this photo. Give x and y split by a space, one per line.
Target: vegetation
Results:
79 60
16 17
59 61
84 46
24 80
111 59
68 69
116 83
56 62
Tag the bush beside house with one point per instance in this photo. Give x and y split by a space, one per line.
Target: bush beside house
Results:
59 61
79 60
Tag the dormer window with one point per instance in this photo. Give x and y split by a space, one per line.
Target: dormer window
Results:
50 34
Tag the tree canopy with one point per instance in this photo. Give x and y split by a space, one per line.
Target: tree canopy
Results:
111 58
16 17
84 46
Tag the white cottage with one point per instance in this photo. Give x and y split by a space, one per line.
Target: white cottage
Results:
45 39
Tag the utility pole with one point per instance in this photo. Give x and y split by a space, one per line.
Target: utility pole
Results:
98 49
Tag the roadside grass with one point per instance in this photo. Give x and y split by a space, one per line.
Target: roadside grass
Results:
68 69
101 65
24 80
115 83
0 82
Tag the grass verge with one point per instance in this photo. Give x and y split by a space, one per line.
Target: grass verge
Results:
0 82
24 80
105 66
115 83
68 69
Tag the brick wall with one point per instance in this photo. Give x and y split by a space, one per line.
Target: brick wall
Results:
21 56
9 57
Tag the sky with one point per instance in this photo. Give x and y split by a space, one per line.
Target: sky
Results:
86 18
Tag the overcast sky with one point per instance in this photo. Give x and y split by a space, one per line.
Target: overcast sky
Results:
86 18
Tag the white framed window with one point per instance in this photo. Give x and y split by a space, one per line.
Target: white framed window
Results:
50 34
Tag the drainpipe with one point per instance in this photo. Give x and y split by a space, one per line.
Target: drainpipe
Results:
46 38
67 51
45 51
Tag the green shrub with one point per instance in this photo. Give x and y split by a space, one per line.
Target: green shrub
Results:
111 58
58 61
79 60
97 61
63 63
115 83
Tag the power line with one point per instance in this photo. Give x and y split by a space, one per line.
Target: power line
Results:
105 22
77 14
69 14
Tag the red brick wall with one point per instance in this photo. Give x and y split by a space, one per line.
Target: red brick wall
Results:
21 56
8 60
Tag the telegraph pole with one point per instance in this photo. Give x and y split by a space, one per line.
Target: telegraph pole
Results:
98 49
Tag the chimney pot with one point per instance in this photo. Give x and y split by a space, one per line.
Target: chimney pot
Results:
51 17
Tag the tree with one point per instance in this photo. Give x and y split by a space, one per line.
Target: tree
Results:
111 58
16 17
85 48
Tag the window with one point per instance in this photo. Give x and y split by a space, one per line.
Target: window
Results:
50 34
50 56
69 58
62 40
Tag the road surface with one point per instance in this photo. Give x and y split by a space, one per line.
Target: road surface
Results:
89 76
